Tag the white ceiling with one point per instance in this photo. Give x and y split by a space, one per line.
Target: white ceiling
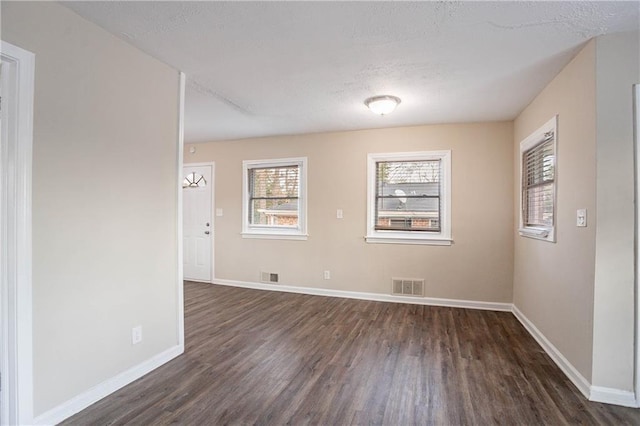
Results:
272 68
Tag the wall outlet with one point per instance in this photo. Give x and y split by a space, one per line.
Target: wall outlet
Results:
581 217
136 335
339 214
327 275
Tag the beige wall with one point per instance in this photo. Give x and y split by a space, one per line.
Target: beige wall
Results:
478 266
617 69
553 282
104 201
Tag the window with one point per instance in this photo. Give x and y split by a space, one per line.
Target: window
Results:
538 183
274 198
194 180
409 198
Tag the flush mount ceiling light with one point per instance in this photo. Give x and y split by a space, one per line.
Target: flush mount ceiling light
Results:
382 104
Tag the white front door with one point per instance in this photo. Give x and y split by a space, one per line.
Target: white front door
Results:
197 198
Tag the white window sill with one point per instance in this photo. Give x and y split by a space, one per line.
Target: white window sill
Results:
377 239
275 236
543 234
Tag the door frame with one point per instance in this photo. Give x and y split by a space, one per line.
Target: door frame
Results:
16 249
212 187
179 255
636 148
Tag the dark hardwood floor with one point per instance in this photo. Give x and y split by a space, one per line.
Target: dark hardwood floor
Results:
259 357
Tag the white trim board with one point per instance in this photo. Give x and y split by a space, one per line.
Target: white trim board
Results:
179 236
613 396
636 148
378 297
16 265
96 393
567 368
592 393
199 281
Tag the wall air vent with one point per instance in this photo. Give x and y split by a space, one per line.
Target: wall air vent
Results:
407 287
269 277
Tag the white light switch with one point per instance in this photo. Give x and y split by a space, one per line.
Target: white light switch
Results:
219 212
581 217
339 214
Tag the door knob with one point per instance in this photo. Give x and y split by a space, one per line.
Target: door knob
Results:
207 232
206 224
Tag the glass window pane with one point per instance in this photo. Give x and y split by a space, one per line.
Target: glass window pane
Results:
538 165
194 180
281 212
275 182
539 202
274 193
408 195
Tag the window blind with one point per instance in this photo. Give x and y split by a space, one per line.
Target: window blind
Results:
408 195
538 177
274 195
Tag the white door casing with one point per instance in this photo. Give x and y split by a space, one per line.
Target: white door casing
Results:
636 146
16 348
198 226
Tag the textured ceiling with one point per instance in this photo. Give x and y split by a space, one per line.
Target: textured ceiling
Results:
272 68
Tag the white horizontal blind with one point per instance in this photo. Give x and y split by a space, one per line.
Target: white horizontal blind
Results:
408 195
538 177
273 196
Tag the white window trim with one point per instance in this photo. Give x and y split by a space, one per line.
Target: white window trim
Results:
539 232
266 232
442 238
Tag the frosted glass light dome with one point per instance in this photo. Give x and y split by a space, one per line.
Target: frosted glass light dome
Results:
382 105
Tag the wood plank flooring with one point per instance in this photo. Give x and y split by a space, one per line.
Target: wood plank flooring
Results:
270 358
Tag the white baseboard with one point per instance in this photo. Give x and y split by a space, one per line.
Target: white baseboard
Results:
197 281
96 393
567 368
378 297
593 393
613 396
